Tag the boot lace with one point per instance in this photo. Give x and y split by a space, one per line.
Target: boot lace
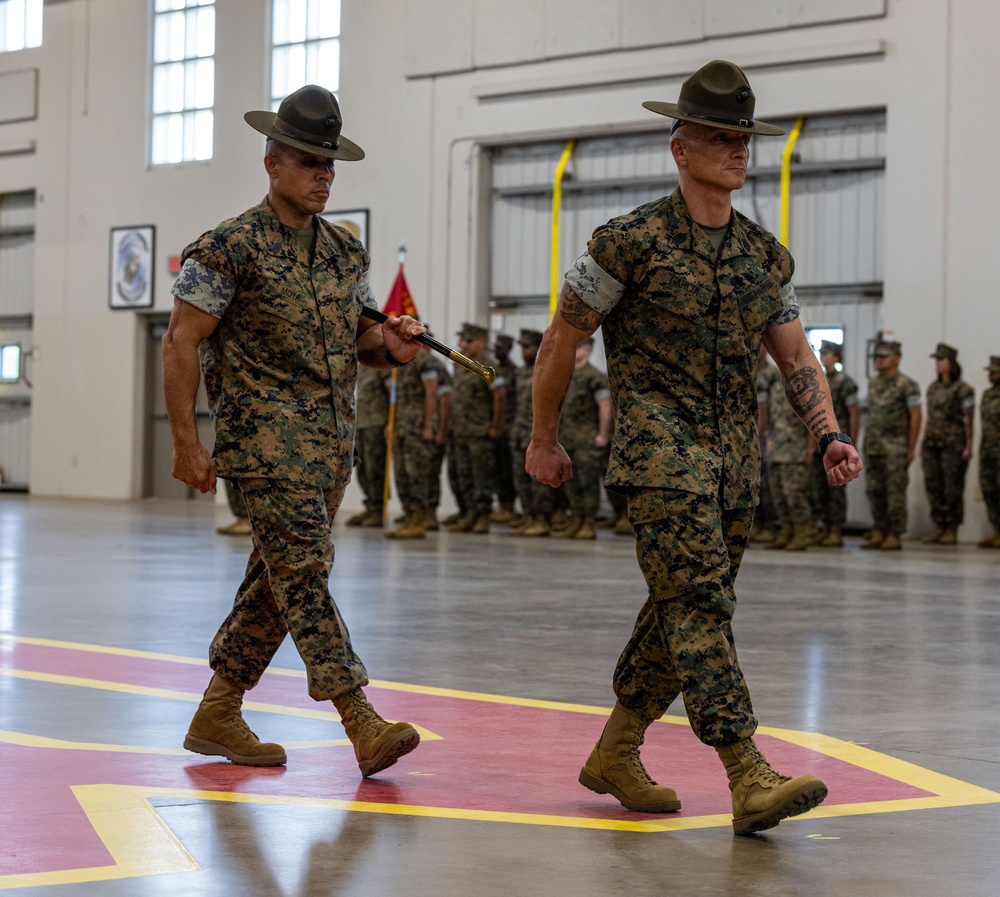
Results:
234 717
766 774
635 761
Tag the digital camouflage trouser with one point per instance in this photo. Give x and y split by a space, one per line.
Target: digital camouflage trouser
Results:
537 499
286 590
689 550
944 480
413 463
475 468
583 489
886 479
789 483
829 503
989 481
370 450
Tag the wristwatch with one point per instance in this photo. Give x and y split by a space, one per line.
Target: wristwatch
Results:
827 438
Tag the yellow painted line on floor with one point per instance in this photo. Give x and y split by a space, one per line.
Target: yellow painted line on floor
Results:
133 833
23 739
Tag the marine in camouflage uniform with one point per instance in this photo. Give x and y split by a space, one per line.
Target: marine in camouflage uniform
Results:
506 481
414 448
684 307
890 444
270 301
372 402
537 499
947 446
789 451
476 424
584 431
829 503
765 519
989 453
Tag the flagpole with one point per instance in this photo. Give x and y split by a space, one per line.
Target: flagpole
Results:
389 435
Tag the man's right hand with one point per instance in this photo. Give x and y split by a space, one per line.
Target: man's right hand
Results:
195 467
548 464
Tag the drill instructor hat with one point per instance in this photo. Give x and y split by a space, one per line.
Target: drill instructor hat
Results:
717 95
308 119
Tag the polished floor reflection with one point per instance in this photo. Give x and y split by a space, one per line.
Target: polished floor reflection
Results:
880 672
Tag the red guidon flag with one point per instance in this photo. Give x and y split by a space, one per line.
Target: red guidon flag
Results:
400 302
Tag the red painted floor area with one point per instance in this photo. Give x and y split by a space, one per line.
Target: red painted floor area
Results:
490 757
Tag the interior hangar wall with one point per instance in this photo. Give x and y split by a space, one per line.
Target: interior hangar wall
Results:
514 72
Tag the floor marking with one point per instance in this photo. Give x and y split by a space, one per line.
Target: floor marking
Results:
138 842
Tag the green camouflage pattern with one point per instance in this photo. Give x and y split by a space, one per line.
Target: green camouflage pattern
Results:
843 395
472 400
786 437
371 398
579 421
413 458
689 549
370 451
946 405
989 453
889 402
886 482
941 451
789 484
475 472
280 367
537 499
285 590
579 425
682 346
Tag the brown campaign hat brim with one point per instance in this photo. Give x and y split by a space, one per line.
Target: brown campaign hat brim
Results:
671 111
346 151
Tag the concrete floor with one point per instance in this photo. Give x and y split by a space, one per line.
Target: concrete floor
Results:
879 672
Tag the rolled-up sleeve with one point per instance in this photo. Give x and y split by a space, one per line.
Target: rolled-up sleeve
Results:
593 284
204 288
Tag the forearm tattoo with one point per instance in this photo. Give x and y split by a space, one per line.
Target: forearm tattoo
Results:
577 313
807 397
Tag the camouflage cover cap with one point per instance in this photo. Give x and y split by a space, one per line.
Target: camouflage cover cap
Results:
830 346
888 347
994 364
945 351
472 331
717 95
308 119
530 338
503 341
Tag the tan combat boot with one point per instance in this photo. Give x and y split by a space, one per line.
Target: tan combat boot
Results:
949 536
463 524
782 539
431 521
412 527
609 522
570 530
834 537
761 796
481 525
503 514
873 539
614 766
372 519
889 543
219 730
802 537
538 526
623 527
586 530
934 537
992 541
377 744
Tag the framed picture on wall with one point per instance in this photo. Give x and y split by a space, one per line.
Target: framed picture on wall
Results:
355 221
131 267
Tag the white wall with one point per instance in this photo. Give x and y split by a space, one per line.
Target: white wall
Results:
929 62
